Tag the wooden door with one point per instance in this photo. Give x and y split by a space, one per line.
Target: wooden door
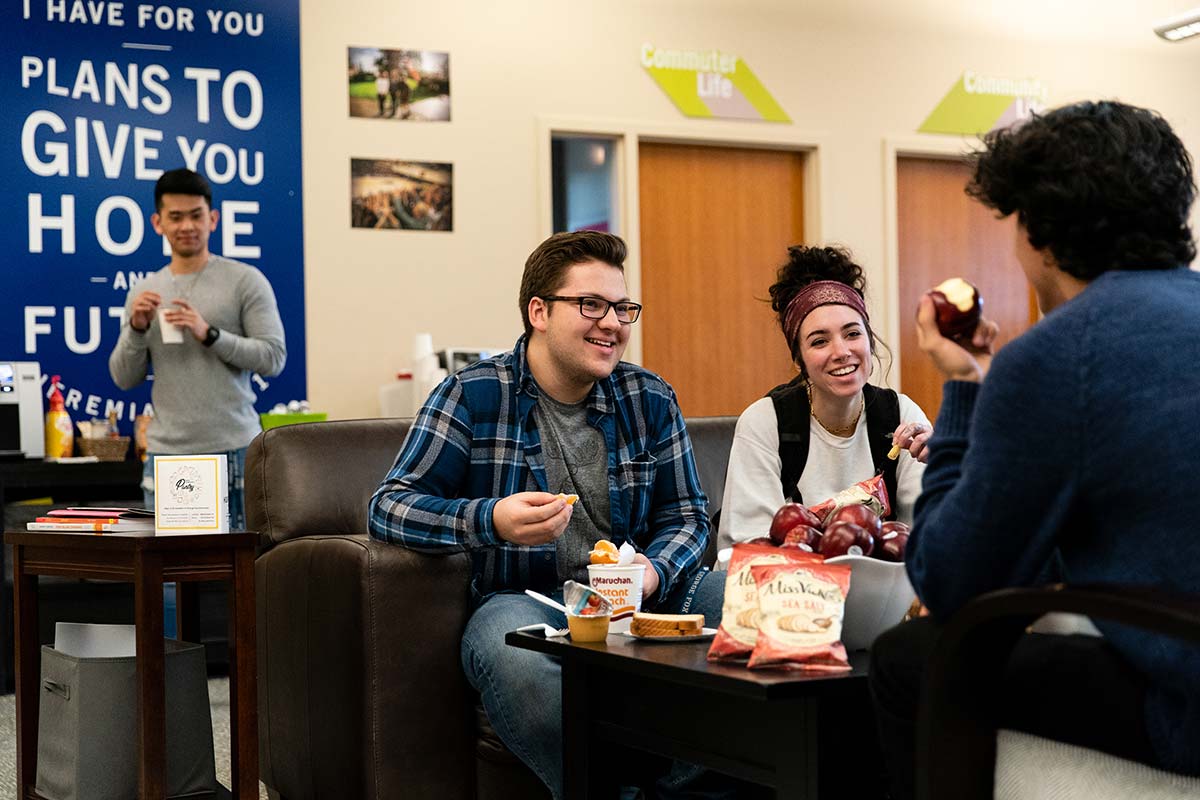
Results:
943 233
716 223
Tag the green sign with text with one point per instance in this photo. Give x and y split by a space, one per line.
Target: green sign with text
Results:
709 83
978 103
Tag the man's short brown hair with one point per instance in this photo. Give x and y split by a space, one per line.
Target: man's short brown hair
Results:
547 266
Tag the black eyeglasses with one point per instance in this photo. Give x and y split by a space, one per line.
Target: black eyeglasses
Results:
597 307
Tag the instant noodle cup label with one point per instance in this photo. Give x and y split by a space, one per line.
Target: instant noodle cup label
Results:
622 587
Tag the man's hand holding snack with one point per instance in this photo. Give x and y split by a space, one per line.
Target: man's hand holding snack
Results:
531 518
968 361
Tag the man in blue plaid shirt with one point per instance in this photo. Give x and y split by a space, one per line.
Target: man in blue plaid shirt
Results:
496 443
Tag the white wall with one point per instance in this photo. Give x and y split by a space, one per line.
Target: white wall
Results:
856 79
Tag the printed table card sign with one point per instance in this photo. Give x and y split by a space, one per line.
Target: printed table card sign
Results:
191 494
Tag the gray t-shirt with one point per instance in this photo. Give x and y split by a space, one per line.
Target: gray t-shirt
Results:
203 400
576 463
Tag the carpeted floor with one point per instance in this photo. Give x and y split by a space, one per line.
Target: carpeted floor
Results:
218 695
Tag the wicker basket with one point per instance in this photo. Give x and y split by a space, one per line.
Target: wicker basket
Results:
109 449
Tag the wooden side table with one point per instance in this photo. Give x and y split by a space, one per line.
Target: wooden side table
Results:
147 562
102 480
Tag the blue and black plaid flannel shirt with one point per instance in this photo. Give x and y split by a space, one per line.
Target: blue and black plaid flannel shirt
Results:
475 441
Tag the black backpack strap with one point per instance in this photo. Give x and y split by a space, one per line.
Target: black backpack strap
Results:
791 416
883 417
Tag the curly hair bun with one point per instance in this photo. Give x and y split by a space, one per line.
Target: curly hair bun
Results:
807 265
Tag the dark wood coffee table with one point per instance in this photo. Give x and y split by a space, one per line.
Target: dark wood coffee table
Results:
666 698
147 562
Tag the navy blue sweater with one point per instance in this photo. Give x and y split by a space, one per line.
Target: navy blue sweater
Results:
1081 440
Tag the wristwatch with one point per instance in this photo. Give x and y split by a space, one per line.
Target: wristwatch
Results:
213 334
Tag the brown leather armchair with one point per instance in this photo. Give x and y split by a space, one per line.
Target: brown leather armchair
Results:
360 689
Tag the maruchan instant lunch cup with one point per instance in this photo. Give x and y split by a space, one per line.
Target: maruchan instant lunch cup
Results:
622 586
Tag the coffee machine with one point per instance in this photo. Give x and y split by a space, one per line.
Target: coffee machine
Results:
22 422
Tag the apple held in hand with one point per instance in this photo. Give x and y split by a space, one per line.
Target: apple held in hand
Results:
803 536
845 538
958 306
860 515
789 516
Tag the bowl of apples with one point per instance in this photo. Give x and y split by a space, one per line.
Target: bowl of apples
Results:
880 592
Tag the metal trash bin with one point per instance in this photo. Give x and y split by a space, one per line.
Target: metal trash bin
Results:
87 726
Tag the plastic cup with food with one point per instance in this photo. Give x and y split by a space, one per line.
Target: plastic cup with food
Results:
171 334
588 613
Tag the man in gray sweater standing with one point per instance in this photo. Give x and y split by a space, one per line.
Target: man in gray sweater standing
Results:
205 323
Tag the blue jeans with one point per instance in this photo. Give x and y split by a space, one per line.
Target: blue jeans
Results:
235 461
522 690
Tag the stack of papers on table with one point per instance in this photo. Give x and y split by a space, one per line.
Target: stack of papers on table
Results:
90 519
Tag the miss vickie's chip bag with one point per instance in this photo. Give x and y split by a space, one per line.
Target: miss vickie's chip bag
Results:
801 607
738 632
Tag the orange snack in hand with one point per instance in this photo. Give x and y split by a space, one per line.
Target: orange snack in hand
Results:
605 553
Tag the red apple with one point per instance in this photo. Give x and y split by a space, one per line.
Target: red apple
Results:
892 526
958 306
892 546
859 515
789 516
845 538
803 536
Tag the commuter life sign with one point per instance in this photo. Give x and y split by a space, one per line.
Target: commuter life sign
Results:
97 100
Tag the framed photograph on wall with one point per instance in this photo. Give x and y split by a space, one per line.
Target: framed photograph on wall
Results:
399 84
405 195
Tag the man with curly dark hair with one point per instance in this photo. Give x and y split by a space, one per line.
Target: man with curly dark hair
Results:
1068 452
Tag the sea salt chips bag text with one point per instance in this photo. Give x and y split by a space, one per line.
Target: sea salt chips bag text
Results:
801 608
739 617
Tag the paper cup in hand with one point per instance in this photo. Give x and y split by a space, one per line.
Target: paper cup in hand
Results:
171 334
622 585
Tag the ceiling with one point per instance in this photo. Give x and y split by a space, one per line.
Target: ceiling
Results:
1124 24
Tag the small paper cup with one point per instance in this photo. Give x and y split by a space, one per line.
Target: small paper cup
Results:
622 586
171 334
588 629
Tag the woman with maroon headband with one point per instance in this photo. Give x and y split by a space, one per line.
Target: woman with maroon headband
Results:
836 428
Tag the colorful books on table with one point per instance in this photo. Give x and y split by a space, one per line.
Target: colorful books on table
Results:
124 512
83 519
